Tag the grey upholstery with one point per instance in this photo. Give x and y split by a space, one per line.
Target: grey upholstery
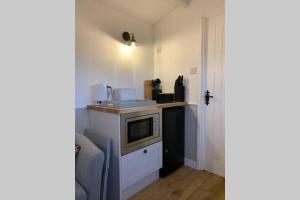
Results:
80 194
88 168
104 143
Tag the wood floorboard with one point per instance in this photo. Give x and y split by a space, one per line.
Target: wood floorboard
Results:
185 184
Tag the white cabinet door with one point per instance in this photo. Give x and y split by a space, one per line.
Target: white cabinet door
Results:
140 163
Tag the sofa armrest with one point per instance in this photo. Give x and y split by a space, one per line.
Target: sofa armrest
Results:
104 143
88 166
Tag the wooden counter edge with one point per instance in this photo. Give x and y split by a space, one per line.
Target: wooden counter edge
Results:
133 109
168 105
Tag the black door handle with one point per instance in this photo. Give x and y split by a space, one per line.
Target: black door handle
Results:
207 97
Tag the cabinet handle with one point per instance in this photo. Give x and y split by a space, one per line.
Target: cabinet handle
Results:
145 151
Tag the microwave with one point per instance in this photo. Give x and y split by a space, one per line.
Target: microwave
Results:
140 129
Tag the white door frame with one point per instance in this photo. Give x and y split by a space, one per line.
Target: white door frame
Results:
200 165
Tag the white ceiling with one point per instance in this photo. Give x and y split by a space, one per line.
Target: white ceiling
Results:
150 10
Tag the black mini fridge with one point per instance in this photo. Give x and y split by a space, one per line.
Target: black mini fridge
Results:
173 139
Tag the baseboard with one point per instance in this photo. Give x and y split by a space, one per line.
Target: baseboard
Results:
138 186
215 166
190 163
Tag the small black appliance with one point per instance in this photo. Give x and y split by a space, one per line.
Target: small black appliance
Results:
179 89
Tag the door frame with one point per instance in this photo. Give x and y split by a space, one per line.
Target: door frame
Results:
201 122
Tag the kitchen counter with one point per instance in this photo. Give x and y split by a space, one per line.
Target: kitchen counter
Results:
102 108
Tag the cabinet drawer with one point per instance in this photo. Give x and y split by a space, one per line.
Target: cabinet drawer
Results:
141 163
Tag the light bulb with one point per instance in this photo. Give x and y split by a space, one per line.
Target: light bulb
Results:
126 49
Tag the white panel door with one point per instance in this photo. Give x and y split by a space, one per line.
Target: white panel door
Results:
214 140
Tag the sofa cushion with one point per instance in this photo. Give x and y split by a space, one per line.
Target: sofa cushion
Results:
80 194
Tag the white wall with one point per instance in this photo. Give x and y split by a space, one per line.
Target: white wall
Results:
99 56
178 45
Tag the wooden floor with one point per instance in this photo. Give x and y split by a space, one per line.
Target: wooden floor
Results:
185 183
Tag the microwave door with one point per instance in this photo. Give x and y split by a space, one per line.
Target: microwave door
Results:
139 130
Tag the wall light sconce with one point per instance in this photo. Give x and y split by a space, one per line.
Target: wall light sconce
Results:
129 39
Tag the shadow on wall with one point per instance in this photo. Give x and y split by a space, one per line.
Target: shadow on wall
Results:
92 13
81 120
109 21
191 132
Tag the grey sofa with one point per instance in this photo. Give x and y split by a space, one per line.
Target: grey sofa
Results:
104 143
88 169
